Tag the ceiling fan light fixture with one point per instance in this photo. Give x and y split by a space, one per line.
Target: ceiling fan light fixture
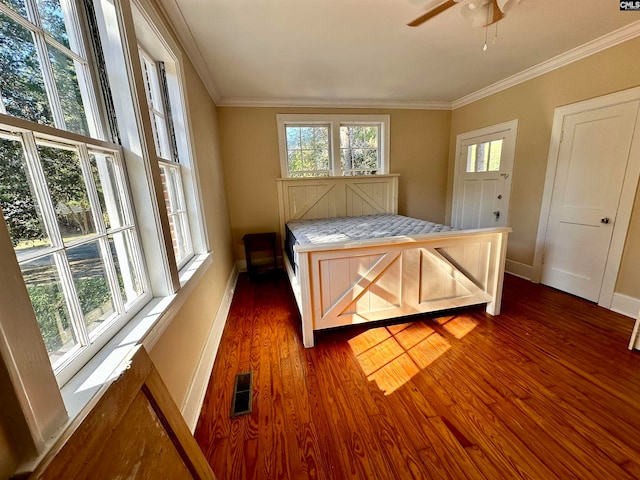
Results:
480 15
506 5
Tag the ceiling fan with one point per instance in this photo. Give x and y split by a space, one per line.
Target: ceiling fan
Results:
482 13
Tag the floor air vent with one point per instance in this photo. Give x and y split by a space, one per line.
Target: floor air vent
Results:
242 393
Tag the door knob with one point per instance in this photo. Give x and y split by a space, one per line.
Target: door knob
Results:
605 220
497 214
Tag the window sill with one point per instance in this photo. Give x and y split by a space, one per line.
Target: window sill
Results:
145 328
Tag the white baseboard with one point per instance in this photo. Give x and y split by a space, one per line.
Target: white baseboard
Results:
625 305
198 388
518 269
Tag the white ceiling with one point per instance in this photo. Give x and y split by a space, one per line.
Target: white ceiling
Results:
362 53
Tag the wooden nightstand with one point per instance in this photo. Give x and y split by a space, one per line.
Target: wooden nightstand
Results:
259 242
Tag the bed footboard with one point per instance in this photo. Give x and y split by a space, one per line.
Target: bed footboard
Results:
350 283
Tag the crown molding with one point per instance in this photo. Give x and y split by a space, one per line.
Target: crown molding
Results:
333 103
172 11
609 40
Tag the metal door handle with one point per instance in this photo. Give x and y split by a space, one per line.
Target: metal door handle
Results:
605 220
497 214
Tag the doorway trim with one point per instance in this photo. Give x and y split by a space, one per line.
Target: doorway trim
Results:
627 196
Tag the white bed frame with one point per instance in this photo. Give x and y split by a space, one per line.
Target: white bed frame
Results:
344 283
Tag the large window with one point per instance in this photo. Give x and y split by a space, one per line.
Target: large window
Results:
333 145
69 217
63 189
166 143
78 289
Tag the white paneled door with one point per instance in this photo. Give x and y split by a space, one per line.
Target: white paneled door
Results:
593 155
484 162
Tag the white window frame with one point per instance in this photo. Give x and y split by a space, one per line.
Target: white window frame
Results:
334 122
169 165
156 44
76 33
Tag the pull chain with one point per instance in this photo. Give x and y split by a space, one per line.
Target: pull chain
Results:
486 27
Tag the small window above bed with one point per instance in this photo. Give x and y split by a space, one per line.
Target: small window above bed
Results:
333 145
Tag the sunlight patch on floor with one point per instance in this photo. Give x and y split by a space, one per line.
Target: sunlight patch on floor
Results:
458 326
390 356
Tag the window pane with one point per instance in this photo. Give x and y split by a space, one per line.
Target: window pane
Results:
358 136
129 277
178 237
495 154
471 158
309 159
64 74
68 192
365 159
160 136
18 201
53 20
88 271
307 150
293 138
49 304
16 6
169 192
359 148
156 106
176 187
109 180
294 160
307 137
178 222
482 157
152 85
21 83
322 159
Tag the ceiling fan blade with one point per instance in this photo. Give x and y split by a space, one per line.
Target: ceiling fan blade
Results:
497 13
432 13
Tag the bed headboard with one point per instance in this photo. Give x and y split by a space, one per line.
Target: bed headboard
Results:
326 197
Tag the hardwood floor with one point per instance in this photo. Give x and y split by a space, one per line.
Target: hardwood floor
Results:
546 390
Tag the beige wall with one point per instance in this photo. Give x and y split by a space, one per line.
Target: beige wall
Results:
177 353
533 103
249 139
250 151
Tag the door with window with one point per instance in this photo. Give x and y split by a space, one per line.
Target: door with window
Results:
483 171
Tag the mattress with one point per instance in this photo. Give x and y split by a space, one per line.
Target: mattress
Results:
341 229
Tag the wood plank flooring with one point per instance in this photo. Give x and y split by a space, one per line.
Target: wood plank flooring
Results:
547 390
